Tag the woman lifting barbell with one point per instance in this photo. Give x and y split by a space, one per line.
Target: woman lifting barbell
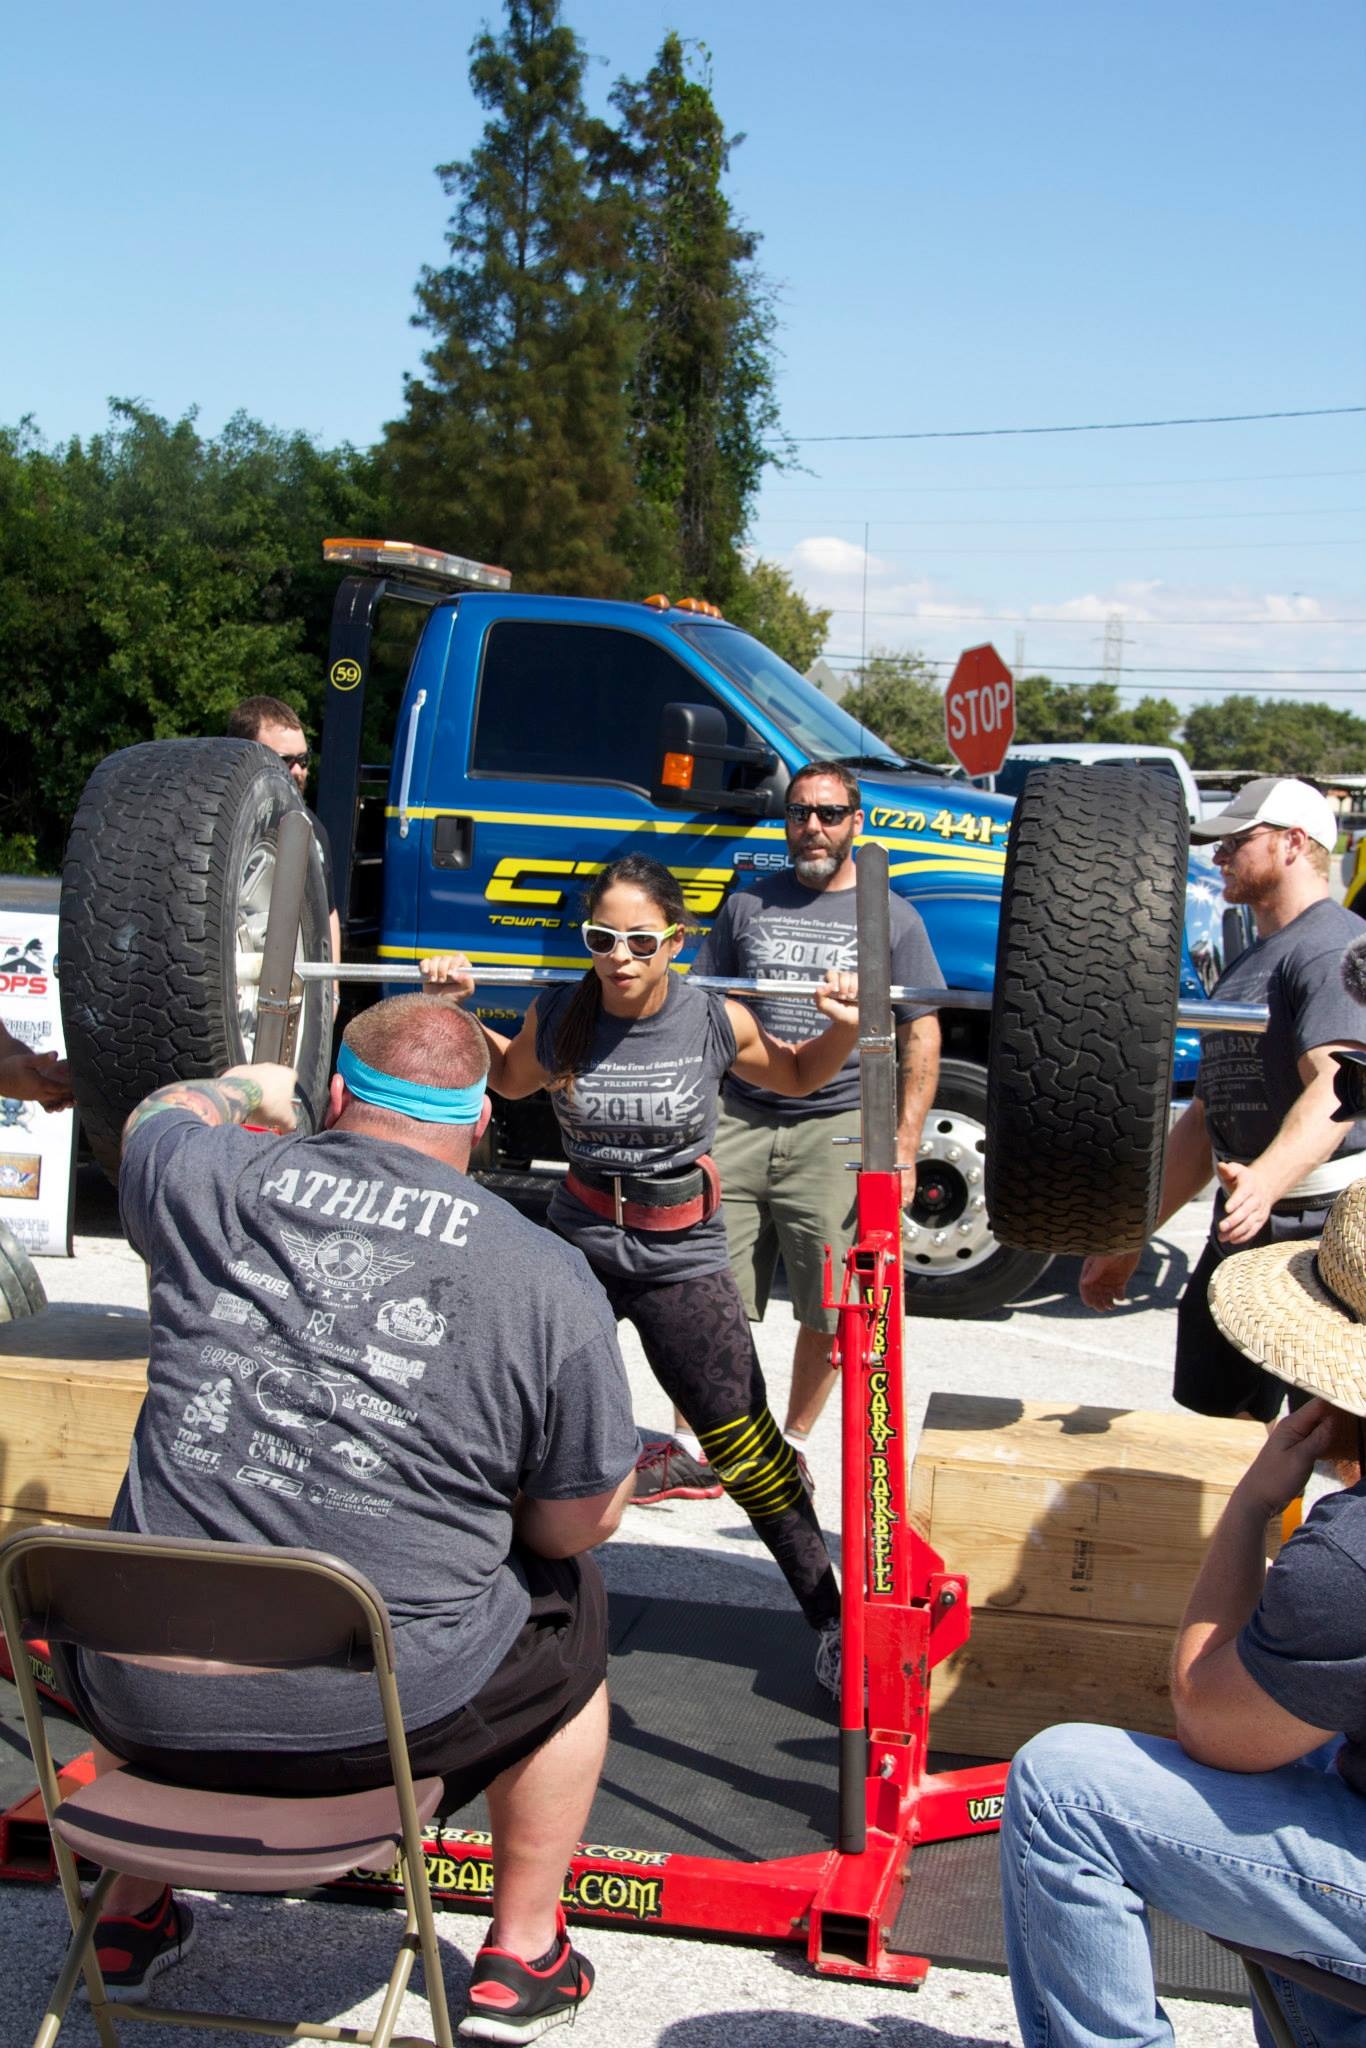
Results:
633 1057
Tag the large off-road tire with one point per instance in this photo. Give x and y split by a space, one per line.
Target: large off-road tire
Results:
21 1291
1083 1017
954 1264
167 878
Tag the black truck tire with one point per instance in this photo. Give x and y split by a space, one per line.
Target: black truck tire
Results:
166 878
953 1263
21 1291
1083 1018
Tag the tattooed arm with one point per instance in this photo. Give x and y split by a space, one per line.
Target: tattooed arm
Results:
262 1094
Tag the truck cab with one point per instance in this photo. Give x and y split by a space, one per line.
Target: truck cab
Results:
539 737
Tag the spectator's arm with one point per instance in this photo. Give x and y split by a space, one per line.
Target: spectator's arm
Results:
1307 1137
918 1076
1186 1168
29 1076
564 1528
1223 1717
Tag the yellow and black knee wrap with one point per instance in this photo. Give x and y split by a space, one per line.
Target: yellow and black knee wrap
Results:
755 1464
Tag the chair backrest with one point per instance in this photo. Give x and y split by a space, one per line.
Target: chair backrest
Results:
189 1597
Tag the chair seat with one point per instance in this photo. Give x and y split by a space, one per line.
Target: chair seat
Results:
234 1841
1345 1991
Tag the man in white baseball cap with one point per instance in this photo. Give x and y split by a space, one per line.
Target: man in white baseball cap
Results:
1261 1121
1278 801
1249 1824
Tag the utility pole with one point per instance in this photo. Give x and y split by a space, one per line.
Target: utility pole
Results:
863 630
1019 663
1113 660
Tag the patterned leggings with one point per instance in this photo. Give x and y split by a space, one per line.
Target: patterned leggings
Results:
697 1339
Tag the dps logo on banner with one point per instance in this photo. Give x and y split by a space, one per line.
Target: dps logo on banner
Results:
36 1146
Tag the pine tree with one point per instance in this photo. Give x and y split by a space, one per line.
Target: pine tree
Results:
704 413
513 446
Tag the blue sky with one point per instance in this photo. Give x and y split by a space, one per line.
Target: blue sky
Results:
977 215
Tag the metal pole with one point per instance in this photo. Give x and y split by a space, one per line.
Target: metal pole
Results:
274 1021
1192 1016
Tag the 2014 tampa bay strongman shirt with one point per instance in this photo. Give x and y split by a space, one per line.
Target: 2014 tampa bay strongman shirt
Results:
782 931
356 1349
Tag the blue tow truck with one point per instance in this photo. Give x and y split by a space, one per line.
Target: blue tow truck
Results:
538 737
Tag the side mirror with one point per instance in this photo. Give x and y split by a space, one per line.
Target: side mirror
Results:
690 753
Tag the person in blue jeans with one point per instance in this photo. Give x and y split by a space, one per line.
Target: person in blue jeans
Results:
1252 1823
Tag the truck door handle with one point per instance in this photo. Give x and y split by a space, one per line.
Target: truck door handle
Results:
409 749
452 842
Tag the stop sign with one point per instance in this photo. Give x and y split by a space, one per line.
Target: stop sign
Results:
979 710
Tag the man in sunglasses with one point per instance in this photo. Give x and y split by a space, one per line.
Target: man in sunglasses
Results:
1261 1123
270 721
784 1177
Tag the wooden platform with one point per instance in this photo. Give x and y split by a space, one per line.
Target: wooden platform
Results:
68 1401
1081 1531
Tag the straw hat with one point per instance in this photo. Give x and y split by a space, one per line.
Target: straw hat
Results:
1299 1308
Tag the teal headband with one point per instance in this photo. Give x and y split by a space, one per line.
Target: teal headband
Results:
410 1098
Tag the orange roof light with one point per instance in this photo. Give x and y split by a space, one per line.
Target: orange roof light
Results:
699 605
677 771
657 603
452 572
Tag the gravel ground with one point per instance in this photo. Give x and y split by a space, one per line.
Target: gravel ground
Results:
328 1962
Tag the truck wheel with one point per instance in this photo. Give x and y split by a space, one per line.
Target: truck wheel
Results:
21 1291
953 1262
1083 1019
167 878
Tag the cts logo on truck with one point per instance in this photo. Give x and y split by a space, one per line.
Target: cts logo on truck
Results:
344 674
532 881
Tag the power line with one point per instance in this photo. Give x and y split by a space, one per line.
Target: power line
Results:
1174 547
1215 419
1039 619
1150 483
1130 668
1105 519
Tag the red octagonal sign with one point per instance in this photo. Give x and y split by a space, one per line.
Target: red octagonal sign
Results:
979 710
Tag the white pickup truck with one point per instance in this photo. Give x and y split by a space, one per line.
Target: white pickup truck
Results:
1166 760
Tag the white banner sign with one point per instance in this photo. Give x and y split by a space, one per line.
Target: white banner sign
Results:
36 1145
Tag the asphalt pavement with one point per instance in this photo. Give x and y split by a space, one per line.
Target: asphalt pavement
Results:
327 1961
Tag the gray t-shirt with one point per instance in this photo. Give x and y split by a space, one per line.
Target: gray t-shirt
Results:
1306 1642
1249 1080
354 1349
781 930
646 1103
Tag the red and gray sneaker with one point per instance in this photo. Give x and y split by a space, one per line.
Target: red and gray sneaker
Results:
667 1472
512 2000
134 1949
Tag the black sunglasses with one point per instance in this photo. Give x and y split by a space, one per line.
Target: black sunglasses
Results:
829 814
296 760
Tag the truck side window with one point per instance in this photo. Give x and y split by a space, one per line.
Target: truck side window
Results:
577 703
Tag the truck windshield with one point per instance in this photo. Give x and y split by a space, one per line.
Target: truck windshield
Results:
820 729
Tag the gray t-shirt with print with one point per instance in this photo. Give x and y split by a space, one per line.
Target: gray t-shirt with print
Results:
356 1349
1249 1081
646 1103
782 930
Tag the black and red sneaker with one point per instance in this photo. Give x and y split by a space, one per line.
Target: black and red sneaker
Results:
513 2000
133 1949
666 1471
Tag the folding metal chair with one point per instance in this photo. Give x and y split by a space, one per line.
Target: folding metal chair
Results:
1326 1983
218 1603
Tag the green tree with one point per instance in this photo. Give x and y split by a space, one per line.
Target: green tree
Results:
704 414
1071 712
151 578
1276 737
765 603
897 697
513 445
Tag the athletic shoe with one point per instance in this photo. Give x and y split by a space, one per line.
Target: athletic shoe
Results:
134 1949
512 2000
807 1481
666 1472
829 1660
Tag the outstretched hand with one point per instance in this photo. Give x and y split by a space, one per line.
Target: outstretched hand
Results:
41 1077
447 974
837 998
1247 1201
1105 1278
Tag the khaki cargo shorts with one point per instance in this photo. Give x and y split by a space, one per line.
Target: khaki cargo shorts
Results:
786 1187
